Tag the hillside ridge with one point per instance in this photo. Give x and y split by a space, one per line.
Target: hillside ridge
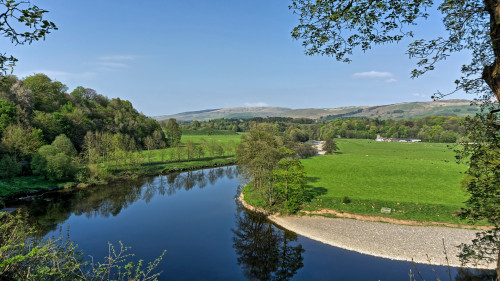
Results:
405 110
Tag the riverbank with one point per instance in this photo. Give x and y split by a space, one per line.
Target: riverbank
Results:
421 244
29 186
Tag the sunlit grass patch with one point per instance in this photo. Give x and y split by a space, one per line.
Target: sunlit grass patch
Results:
418 181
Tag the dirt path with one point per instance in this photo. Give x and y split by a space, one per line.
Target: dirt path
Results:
319 147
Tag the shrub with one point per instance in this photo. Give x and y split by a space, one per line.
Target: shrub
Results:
52 164
304 150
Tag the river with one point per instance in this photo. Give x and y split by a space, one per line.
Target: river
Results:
206 232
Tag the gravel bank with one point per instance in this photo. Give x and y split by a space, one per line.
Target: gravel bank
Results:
385 240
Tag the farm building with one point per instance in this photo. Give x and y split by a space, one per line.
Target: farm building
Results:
379 138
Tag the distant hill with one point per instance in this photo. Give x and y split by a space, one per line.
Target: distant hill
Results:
407 110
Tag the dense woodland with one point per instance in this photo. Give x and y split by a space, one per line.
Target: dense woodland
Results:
47 131
430 129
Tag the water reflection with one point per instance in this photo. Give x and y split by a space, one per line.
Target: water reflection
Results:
53 208
204 239
264 251
467 274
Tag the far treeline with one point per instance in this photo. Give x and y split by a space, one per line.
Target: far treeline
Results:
46 131
446 129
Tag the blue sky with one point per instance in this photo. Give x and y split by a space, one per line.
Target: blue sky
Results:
183 55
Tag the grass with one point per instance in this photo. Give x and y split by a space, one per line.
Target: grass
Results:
152 165
419 181
155 168
219 138
252 197
31 183
207 131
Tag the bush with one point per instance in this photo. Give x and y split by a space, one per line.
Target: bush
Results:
98 174
304 150
346 200
52 164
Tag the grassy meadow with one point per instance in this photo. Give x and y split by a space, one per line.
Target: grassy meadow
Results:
165 155
164 160
419 181
219 138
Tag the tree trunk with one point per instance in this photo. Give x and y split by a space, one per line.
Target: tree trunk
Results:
498 265
491 73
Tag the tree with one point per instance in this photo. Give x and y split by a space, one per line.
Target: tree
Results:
290 180
7 114
9 167
23 142
174 132
159 139
190 149
64 144
303 150
212 147
199 151
149 143
219 150
48 95
482 153
336 28
257 156
90 147
22 23
330 146
23 97
52 164
196 124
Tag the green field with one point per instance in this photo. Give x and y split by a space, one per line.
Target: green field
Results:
218 138
419 181
152 163
224 140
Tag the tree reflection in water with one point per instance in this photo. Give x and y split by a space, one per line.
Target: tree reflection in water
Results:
53 208
467 274
264 251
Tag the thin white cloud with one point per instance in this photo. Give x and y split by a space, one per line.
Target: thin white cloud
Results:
256 104
118 58
419 95
377 75
112 64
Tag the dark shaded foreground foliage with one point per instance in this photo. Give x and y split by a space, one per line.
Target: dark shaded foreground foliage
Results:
25 256
482 153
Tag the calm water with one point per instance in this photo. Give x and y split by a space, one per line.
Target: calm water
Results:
206 233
